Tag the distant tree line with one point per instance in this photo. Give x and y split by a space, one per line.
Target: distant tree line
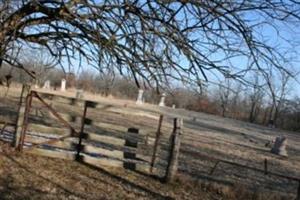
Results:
159 44
256 104
156 42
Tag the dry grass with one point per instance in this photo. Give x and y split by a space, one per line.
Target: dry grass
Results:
204 134
31 177
25 176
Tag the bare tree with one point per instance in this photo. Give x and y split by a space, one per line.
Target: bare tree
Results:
225 93
289 117
85 80
278 90
105 81
39 63
153 40
236 100
256 95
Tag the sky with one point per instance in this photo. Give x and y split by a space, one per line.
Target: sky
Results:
270 36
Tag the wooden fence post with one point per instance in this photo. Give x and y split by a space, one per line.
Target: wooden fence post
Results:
21 115
266 166
79 146
298 192
174 150
157 138
128 155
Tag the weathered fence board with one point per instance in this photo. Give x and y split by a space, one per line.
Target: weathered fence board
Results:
114 131
57 100
52 153
140 151
104 162
39 128
62 99
70 118
99 162
97 150
127 111
104 138
68 143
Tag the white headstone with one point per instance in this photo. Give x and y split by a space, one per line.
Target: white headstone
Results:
47 85
162 100
173 106
139 99
63 84
279 147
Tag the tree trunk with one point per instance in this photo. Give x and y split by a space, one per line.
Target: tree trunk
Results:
223 112
271 116
276 114
252 113
264 120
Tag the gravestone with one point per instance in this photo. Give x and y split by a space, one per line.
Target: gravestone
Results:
162 99
47 85
63 85
279 146
139 99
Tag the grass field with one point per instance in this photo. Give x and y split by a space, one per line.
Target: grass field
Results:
204 136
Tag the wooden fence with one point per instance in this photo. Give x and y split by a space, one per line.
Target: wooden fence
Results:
107 134
99 134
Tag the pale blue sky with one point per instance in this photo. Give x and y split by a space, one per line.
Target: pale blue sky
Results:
270 36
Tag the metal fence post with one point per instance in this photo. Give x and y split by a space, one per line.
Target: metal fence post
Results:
25 121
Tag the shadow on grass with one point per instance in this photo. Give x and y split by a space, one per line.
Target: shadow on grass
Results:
15 192
9 190
129 183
